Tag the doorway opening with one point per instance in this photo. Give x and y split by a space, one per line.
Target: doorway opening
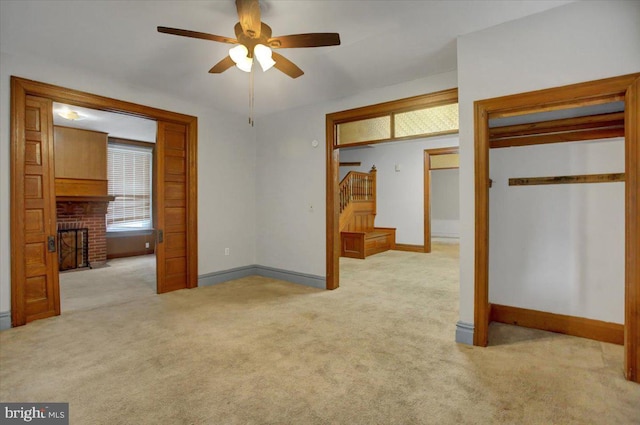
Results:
441 196
35 290
376 125
405 190
106 246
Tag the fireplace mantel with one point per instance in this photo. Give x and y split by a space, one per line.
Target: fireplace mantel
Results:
90 204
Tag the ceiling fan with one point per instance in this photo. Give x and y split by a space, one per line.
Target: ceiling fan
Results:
254 40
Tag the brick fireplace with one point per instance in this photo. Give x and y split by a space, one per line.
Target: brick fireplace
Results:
89 214
81 189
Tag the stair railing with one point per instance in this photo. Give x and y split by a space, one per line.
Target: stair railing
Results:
357 186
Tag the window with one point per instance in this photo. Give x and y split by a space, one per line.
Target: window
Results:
129 173
415 123
428 121
415 117
366 130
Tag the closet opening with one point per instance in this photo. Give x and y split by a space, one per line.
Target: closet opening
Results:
598 118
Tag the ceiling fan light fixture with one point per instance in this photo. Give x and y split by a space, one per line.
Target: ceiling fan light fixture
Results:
240 55
70 115
263 54
245 64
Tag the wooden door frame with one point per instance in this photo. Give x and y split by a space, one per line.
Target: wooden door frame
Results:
589 93
443 97
427 190
21 87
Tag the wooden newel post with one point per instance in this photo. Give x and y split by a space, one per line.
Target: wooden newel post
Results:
373 173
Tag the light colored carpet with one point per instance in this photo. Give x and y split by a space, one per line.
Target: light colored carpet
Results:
379 350
122 280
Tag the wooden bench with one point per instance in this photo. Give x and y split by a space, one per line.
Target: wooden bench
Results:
363 244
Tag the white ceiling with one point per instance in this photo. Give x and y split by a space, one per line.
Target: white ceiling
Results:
383 43
117 125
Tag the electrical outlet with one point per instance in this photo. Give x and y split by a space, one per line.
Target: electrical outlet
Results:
226 251
146 245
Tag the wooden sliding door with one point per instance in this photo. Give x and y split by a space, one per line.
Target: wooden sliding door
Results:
172 221
34 277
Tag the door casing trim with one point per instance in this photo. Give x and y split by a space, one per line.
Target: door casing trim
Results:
332 151
21 87
427 190
588 93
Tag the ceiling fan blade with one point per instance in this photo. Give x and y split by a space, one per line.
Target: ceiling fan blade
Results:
249 17
318 39
222 66
195 34
286 66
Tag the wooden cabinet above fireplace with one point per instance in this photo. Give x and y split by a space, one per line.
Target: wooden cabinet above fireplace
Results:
80 162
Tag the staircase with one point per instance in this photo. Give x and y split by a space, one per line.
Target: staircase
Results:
359 238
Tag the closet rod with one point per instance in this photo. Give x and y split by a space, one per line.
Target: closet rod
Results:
583 178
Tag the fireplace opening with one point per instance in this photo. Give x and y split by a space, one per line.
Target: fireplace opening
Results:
73 248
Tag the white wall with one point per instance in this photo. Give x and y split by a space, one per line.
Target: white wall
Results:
226 165
445 203
558 248
578 42
401 193
291 176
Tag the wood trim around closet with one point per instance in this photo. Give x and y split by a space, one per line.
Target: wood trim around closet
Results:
632 262
559 323
625 87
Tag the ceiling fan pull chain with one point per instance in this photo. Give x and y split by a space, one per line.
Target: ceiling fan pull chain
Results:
251 97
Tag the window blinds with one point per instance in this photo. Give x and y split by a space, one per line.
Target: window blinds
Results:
129 174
